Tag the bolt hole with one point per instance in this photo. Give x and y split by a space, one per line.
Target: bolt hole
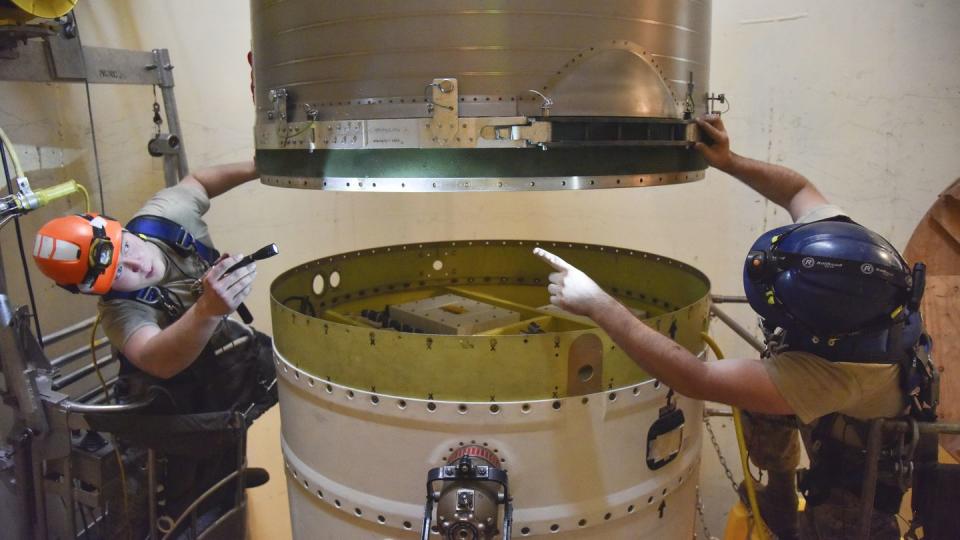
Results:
401 404
585 373
431 406
556 405
525 408
494 409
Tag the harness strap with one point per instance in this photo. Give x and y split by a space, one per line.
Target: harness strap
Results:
179 239
172 234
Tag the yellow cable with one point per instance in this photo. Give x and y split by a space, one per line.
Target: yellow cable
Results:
742 445
86 196
17 169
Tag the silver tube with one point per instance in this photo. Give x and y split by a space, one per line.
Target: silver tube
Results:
726 299
70 378
737 328
83 408
165 68
63 359
924 427
54 337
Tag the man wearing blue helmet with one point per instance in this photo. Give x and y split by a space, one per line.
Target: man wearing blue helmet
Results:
845 344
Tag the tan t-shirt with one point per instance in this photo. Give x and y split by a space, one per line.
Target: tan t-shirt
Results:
185 205
815 387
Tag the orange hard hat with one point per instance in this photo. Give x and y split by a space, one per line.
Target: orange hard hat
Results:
80 252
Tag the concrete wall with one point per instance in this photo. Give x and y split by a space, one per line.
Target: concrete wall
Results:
863 97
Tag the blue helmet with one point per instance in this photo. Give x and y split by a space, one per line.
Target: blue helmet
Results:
827 280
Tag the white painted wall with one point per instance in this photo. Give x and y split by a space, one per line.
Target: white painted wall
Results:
861 96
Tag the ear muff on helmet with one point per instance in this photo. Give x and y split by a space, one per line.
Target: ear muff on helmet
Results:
79 252
829 277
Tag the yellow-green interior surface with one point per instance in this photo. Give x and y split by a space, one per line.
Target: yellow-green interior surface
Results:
317 326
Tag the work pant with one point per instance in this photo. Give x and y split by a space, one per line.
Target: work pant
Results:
773 443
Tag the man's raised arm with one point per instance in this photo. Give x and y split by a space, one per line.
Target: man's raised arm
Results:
783 186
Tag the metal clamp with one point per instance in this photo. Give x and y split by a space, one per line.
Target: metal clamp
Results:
278 96
531 133
442 103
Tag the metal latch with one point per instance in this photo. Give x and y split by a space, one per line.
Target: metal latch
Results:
278 96
531 133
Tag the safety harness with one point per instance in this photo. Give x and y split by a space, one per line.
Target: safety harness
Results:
177 238
836 463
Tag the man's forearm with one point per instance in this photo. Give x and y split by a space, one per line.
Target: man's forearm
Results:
777 183
655 353
222 178
174 348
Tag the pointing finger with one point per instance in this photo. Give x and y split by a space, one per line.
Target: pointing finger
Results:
552 259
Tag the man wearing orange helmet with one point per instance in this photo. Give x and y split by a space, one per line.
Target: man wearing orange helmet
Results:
165 297
94 255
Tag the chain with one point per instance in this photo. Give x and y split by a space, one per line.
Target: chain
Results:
703 519
157 119
723 460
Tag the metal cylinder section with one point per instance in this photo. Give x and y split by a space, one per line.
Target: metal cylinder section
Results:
479 94
397 360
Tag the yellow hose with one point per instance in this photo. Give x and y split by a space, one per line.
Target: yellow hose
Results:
742 444
17 169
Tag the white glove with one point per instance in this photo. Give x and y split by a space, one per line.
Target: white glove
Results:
570 289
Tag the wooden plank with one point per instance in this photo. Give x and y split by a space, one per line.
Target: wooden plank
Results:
941 313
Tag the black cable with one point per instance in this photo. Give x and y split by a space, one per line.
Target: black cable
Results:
96 154
23 254
93 127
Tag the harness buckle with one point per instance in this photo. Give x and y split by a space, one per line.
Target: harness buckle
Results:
184 239
150 295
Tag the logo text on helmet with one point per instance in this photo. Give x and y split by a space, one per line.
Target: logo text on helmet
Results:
808 262
867 268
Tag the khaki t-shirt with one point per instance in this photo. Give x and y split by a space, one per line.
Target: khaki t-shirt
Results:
815 387
185 205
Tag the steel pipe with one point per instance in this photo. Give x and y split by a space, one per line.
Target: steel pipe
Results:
737 328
